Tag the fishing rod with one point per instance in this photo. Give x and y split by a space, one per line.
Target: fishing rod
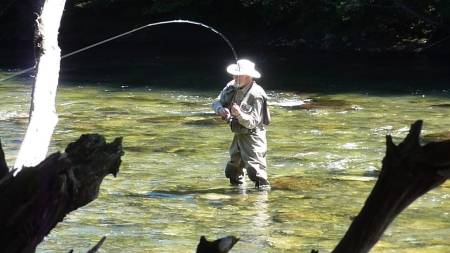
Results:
132 31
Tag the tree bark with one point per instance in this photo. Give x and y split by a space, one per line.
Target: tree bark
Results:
408 171
3 166
33 202
43 118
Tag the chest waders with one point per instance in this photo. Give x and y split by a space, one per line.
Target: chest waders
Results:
248 150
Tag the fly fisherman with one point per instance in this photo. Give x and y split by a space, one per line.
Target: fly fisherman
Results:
243 103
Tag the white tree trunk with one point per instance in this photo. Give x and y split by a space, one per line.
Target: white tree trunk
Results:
43 118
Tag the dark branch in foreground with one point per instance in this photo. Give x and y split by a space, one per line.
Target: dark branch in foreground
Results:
222 245
3 166
39 197
408 171
97 246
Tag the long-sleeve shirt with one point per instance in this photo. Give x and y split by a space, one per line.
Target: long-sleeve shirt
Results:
250 99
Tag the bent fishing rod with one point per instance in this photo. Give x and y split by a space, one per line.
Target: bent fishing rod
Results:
132 31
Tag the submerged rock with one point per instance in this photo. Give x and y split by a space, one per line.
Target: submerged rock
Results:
294 182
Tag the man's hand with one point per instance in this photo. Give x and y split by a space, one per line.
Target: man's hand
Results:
235 110
224 112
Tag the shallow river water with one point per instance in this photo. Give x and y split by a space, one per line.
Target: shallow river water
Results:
323 160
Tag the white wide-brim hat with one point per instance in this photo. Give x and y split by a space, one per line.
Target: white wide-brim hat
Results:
243 67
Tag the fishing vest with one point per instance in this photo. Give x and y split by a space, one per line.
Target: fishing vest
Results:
255 92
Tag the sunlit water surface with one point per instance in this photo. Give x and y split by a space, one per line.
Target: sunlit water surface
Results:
323 161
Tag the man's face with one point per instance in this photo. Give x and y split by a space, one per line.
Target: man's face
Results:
242 80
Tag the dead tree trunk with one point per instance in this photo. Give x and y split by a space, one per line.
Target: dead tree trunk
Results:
34 201
43 118
408 171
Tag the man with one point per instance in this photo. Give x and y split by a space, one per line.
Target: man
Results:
244 104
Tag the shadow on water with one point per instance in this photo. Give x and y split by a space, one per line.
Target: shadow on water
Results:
189 195
314 72
196 67
288 183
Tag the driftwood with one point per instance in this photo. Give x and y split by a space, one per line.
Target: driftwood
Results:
408 171
37 198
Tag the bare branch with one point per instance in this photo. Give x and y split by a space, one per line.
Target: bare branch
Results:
3 166
421 17
408 171
97 246
434 44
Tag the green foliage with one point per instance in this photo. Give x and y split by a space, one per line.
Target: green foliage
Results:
309 16
443 8
354 16
316 17
162 6
92 4
166 6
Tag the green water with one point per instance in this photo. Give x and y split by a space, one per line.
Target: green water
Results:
171 189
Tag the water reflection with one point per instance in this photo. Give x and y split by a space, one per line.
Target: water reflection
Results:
323 158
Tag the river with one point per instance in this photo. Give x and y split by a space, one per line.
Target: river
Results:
323 159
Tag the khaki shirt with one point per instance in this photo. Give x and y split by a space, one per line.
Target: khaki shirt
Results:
250 99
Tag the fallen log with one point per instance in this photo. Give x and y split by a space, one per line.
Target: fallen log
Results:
37 198
408 171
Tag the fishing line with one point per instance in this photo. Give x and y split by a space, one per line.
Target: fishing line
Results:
132 31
